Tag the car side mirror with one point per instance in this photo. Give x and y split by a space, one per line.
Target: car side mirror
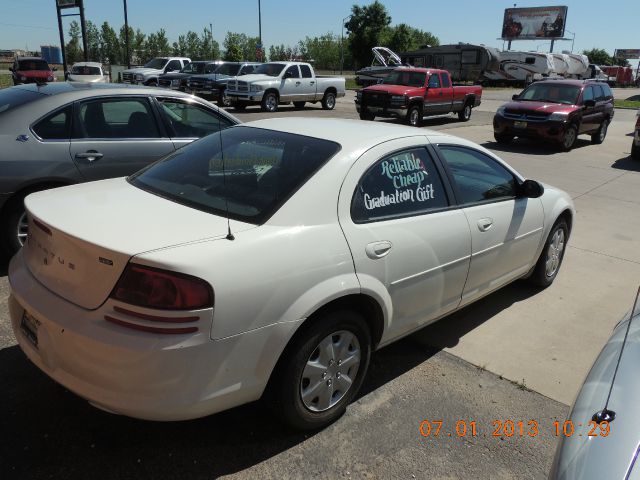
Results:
11 69
531 189
590 103
515 97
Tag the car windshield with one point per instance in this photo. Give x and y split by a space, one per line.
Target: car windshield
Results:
408 79
157 63
551 92
229 69
33 65
250 179
271 69
194 67
13 97
85 70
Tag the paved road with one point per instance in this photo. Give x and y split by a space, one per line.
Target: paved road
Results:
544 340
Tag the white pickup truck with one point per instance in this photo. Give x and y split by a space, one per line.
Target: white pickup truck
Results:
277 83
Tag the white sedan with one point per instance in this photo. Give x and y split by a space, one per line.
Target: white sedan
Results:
270 260
88 72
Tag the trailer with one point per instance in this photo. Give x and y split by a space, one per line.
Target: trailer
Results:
520 68
464 62
618 76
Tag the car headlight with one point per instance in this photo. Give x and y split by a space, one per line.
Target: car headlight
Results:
558 116
139 77
50 78
24 79
398 99
257 88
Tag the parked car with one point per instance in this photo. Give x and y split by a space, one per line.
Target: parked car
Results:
149 73
635 144
557 111
411 93
31 70
70 132
601 436
282 82
212 86
90 72
178 80
271 258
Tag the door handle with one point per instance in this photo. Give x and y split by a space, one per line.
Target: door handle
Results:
297 83
312 83
376 250
90 156
485 224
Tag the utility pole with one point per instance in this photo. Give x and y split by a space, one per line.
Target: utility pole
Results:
83 27
211 32
126 34
62 49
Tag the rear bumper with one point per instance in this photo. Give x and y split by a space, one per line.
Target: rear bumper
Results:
547 130
139 374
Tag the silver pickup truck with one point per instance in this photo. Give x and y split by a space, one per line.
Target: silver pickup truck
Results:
277 83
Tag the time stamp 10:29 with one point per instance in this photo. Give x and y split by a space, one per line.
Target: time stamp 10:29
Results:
513 428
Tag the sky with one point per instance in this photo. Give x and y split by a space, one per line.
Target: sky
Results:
608 25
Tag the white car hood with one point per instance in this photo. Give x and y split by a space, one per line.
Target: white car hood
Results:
143 70
86 78
95 228
256 78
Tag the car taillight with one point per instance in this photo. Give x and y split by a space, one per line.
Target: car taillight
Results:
162 289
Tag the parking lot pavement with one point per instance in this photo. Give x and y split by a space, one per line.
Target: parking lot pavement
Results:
545 341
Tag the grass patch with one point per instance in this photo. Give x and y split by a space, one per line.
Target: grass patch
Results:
5 81
626 103
351 84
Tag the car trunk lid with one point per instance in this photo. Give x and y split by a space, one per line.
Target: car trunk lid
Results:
82 237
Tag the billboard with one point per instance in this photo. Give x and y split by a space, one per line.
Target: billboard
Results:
68 3
627 53
534 23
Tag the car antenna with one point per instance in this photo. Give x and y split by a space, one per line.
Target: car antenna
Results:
224 184
606 415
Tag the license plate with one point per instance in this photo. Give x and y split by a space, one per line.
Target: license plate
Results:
517 124
29 327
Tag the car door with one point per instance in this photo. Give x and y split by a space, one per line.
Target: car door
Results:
446 98
188 121
409 244
505 229
433 95
173 66
116 136
589 115
290 84
308 83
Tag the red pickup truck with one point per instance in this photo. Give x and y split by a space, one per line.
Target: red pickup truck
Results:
411 94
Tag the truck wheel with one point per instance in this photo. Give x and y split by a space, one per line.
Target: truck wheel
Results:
329 101
465 114
502 138
635 151
598 137
321 371
223 99
152 83
299 105
414 116
269 102
569 139
366 114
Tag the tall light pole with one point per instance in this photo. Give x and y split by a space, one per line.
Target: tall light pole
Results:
126 34
211 32
342 43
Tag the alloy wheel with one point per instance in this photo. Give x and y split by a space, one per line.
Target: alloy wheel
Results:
22 229
554 253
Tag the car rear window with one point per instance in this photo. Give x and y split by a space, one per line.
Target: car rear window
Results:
33 65
11 98
249 179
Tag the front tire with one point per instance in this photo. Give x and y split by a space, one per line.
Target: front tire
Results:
414 116
550 259
269 102
223 99
465 114
569 139
635 151
152 83
329 101
366 114
323 370
598 137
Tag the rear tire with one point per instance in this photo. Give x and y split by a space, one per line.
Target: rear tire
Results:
598 137
465 114
321 371
329 101
550 260
13 226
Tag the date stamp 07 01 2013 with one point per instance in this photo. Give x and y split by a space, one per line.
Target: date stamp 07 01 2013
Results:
513 428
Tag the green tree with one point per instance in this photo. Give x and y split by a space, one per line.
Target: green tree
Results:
123 42
402 38
164 48
194 45
365 28
93 42
73 50
109 45
277 53
598 56
209 48
233 44
151 47
137 47
324 51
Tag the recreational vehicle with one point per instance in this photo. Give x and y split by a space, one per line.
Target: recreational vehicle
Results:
520 68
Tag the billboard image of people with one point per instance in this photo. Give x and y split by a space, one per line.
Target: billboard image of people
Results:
532 23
